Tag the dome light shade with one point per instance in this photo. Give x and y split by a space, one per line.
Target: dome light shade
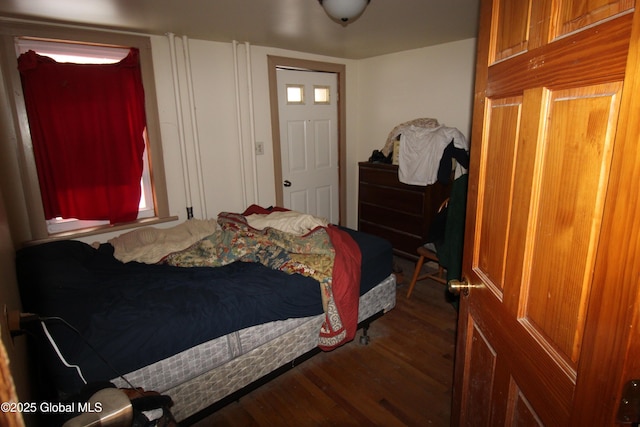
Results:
344 10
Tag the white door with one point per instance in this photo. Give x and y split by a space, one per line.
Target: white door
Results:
308 109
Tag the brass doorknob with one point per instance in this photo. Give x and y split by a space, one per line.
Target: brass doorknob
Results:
458 286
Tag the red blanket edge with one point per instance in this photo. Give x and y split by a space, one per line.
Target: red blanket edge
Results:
345 283
346 277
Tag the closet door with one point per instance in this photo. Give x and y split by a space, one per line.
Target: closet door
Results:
553 223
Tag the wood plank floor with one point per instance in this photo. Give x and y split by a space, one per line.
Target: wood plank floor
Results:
402 378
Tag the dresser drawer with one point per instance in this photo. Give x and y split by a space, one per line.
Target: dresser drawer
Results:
387 176
391 218
384 177
393 198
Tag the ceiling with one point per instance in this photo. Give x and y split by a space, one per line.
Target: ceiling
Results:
386 26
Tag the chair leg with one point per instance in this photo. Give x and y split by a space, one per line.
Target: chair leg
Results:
416 273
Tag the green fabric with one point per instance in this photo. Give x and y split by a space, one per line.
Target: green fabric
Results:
450 251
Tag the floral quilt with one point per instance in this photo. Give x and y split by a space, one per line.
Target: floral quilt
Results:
326 254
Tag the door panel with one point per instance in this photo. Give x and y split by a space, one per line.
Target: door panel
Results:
565 222
502 127
547 126
513 35
297 153
576 15
324 201
482 367
325 145
521 413
299 201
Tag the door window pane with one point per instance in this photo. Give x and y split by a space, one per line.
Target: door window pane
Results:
321 95
295 94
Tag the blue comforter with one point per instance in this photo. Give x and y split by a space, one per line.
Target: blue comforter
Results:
135 314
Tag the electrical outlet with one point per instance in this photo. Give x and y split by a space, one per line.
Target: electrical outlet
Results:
259 148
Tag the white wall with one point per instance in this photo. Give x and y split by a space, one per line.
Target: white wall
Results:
233 176
381 93
432 82
212 70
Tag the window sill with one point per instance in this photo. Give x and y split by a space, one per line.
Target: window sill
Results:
143 222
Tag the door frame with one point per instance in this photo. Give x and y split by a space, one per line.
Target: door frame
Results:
303 64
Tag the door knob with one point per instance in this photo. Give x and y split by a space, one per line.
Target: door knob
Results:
287 183
461 286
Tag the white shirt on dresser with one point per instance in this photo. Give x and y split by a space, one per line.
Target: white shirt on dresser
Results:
421 150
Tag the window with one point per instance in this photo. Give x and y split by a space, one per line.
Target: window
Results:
153 206
83 120
321 95
295 94
88 54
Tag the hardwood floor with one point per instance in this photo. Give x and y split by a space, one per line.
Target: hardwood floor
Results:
403 377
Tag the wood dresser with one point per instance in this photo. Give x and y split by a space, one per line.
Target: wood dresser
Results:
398 212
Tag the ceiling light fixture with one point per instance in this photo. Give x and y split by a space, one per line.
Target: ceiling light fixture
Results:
344 10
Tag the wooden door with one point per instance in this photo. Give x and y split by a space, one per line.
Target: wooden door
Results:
14 378
553 230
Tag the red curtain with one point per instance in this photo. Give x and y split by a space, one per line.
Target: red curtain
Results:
87 123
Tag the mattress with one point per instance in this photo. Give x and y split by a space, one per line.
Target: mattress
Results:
205 374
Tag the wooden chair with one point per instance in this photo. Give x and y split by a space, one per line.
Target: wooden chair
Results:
428 255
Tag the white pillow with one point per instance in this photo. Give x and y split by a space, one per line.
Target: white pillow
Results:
150 244
289 221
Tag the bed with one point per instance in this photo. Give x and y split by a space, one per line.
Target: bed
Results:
191 326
